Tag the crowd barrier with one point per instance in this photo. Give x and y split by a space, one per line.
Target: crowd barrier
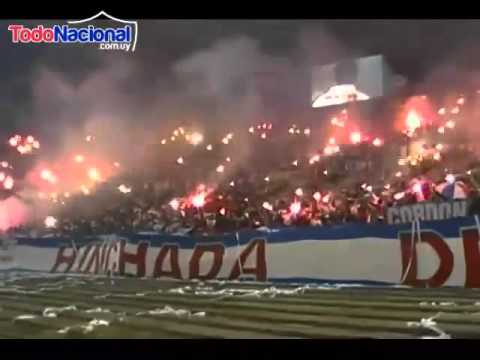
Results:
419 254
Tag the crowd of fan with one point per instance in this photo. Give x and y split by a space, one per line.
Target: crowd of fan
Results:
240 208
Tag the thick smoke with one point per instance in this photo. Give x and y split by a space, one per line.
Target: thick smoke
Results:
222 88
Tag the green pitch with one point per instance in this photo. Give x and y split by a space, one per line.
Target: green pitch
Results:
99 307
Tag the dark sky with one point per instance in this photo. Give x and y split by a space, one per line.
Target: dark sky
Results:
412 48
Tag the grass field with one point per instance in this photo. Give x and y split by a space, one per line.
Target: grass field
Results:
84 307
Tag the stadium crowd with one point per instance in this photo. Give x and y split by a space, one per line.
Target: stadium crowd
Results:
247 205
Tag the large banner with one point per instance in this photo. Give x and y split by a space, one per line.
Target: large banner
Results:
430 254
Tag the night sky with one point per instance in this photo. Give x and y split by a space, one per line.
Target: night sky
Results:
413 48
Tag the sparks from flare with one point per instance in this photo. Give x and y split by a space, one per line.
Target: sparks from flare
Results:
93 174
413 121
50 222
198 200
314 159
195 138
355 137
267 206
450 124
174 204
295 207
8 183
124 189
